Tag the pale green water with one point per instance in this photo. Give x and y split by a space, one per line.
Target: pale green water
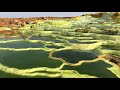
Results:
74 56
27 59
21 44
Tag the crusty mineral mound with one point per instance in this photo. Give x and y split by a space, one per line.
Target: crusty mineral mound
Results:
111 58
115 15
97 15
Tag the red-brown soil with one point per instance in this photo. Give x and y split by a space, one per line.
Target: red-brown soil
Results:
17 21
112 58
8 32
12 22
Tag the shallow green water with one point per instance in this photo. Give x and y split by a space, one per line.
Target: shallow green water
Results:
21 44
74 56
27 59
12 38
53 46
111 47
98 69
80 42
45 39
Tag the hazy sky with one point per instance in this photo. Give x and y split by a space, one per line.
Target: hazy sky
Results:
39 14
